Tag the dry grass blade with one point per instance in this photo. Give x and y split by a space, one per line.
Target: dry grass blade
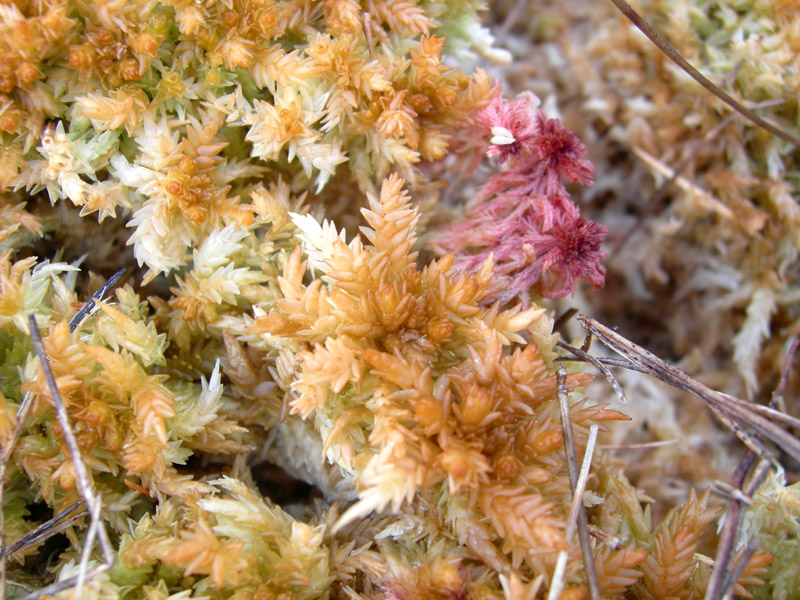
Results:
557 581
737 414
572 465
673 55
580 488
642 446
82 478
24 408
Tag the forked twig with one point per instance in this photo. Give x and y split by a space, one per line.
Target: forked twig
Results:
572 466
743 418
24 408
749 421
585 356
608 362
719 585
675 57
82 479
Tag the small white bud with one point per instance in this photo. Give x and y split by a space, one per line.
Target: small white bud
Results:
502 136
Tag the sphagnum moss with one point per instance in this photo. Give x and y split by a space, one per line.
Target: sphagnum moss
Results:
201 145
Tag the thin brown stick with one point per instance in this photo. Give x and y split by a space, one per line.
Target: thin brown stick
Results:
675 57
719 585
24 409
60 586
572 467
21 586
45 530
563 318
729 533
737 414
511 18
777 394
609 362
82 479
612 381
736 571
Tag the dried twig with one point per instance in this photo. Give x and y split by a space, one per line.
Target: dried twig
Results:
572 465
21 586
46 530
580 488
719 585
89 306
675 57
583 355
60 586
742 417
777 394
25 406
737 570
730 492
749 421
82 479
562 319
609 362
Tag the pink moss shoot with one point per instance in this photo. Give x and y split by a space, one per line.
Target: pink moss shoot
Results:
524 217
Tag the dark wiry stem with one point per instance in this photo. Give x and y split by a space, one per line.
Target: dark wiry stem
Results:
673 55
719 584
